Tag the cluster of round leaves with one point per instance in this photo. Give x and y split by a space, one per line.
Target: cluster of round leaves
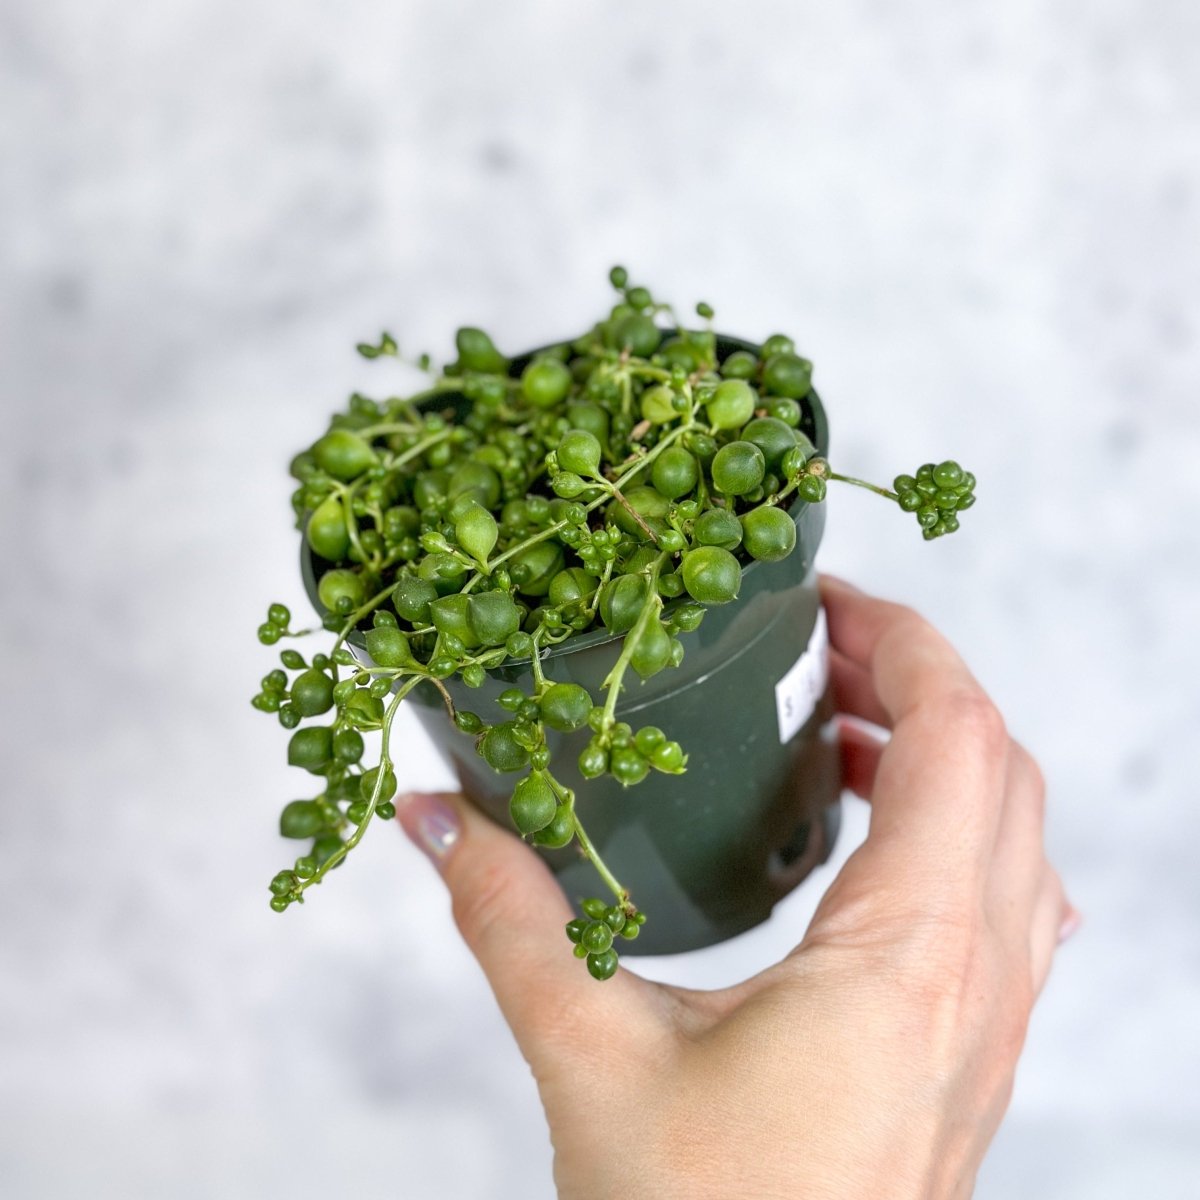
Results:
275 626
595 934
622 481
566 707
937 493
333 751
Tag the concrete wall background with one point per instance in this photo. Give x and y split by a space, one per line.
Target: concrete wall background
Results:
983 227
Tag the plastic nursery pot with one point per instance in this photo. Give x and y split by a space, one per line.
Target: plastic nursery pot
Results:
706 854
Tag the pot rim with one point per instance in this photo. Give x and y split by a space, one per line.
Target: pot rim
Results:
726 344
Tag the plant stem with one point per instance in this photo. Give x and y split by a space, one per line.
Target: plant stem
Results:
357 615
650 610
589 850
449 703
346 494
783 492
374 431
418 448
593 856
619 496
605 576
862 483
535 661
385 763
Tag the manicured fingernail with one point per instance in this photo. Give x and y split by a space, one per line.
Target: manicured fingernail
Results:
1071 922
431 823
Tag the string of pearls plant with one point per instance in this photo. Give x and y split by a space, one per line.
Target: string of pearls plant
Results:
619 481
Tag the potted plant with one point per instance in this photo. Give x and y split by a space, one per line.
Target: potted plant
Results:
591 568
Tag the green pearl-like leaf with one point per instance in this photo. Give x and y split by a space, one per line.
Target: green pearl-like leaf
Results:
477 532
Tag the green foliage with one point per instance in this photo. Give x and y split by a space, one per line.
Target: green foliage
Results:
622 481
937 494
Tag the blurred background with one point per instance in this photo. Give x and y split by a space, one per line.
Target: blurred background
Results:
983 224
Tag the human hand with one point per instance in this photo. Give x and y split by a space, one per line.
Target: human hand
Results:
875 1060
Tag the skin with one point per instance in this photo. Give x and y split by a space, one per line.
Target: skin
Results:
877 1059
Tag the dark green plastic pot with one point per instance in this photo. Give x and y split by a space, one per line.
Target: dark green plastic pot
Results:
708 853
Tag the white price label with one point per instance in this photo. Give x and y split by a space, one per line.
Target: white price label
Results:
797 693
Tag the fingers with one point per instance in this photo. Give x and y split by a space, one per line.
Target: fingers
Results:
1018 859
511 913
854 691
955 802
860 750
1054 920
908 661
939 785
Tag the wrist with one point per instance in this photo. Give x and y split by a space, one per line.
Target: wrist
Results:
813 1161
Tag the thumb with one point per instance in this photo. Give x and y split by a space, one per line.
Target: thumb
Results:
511 912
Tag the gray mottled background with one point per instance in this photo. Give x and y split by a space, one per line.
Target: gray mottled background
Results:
983 225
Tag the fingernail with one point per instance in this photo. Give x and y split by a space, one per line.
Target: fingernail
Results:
1071 922
432 824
